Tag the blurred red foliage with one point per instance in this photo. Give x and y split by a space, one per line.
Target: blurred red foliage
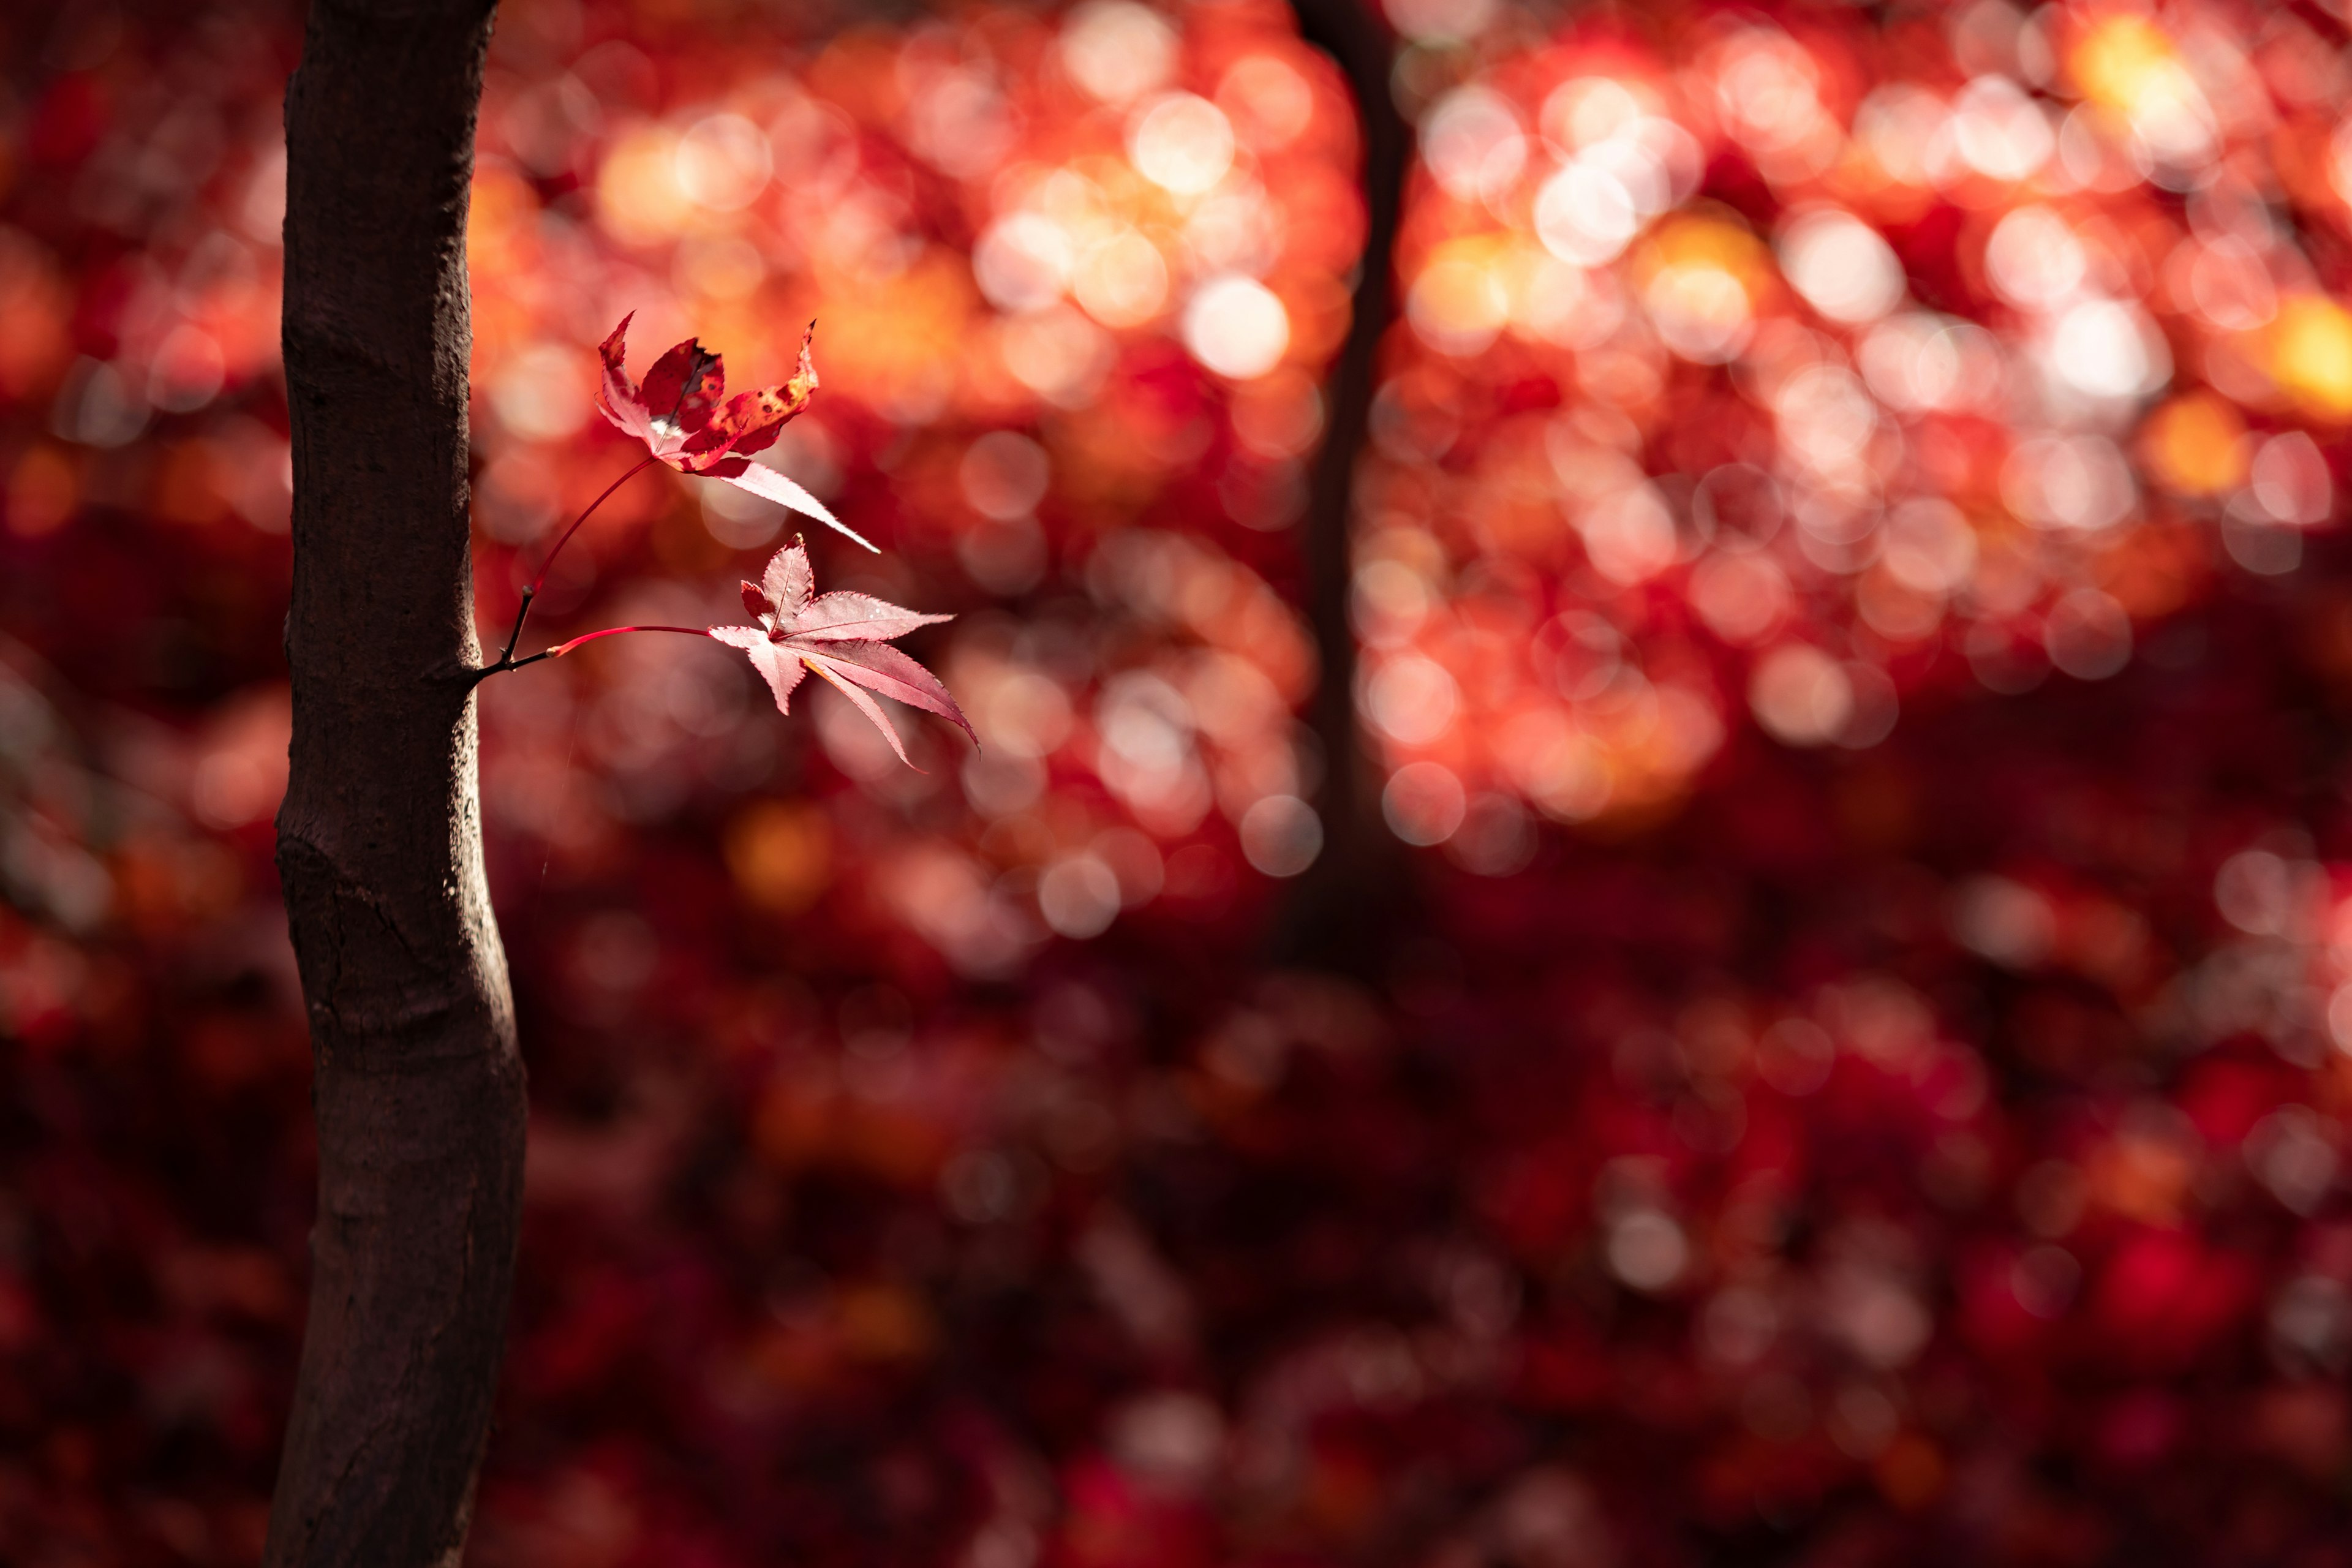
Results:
1852 611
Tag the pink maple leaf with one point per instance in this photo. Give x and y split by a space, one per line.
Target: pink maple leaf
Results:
843 637
678 415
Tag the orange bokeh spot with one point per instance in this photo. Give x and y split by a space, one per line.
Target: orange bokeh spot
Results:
500 218
2196 444
639 196
780 855
43 491
2120 58
1702 239
2310 355
191 484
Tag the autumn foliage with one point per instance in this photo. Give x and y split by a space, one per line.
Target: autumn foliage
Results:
678 415
844 639
1855 644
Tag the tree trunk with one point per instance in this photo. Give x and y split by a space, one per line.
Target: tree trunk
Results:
418 1087
1341 912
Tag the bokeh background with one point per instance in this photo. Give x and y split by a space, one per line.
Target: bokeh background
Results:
1855 651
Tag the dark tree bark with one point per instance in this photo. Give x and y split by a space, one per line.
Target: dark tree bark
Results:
1342 909
418 1087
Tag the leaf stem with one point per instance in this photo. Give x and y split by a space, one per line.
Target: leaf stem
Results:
506 661
522 611
643 463
559 649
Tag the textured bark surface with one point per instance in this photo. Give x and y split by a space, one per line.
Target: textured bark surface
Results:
1341 912
418 1087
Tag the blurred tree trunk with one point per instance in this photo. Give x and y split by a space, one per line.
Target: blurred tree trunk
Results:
1341 911
418 1087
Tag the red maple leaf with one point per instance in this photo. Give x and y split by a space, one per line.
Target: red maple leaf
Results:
678 415
843 637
